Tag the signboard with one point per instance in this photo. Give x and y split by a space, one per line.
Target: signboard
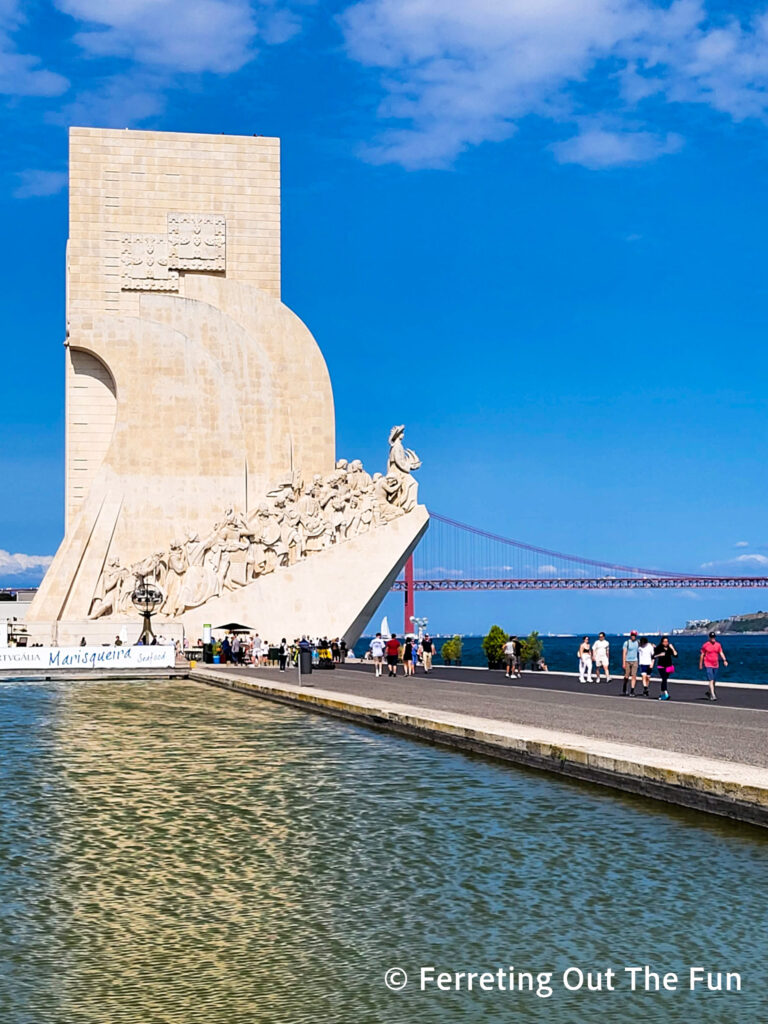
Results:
37 658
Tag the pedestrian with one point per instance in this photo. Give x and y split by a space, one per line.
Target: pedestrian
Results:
343 651
709 658
645 658
335 651
427 650
282 654
518 656
509 657
377 647
629 662
414 655
393 654
601 650
236 650
664 654
408 656
585 661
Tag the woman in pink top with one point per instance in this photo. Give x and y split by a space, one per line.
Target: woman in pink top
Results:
711 653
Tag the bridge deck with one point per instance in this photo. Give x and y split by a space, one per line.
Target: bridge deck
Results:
735 729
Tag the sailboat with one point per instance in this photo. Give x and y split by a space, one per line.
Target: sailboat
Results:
385 630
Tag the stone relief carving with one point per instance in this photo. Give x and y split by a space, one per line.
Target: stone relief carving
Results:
295 520
145 264
197 241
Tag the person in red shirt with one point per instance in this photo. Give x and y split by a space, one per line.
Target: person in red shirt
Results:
393 654
711 653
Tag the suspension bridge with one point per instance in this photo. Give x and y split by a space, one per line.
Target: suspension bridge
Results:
454 556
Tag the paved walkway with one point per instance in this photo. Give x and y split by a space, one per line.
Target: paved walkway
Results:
735 729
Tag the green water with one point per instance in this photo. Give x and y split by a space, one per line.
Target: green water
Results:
172 854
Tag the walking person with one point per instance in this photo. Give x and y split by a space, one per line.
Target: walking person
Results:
427 650
415 648
377 648
601 651
629 662
282 654
509 657
408 646
664 654
518 656
393 654
709 658
343 651
645 658
585 661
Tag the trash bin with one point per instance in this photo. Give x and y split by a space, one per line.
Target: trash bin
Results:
305 662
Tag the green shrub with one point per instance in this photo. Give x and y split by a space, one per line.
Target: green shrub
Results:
533 648
493 644
451 649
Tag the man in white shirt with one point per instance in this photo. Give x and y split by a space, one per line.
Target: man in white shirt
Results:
601 651
377 646
509 657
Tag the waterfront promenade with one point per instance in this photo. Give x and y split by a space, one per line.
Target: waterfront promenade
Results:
685 751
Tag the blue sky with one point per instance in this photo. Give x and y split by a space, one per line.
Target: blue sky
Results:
532 230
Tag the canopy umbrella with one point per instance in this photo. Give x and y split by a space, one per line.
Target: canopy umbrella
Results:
235 627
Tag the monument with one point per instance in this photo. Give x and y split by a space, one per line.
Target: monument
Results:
200 452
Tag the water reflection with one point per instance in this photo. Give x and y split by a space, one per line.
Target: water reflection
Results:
173 853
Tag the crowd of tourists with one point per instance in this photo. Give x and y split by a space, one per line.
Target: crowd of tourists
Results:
409 652
640 656
254 651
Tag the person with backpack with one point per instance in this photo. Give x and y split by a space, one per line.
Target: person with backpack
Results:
393 654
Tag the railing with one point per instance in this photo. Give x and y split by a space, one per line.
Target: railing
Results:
594 583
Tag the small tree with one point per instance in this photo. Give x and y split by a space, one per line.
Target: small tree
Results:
533 648
493 645
451 650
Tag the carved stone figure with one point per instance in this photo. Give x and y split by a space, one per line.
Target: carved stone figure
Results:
289 524
401 463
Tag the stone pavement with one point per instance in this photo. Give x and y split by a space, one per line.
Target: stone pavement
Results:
735 729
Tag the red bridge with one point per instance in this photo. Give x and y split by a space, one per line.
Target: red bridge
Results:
454 556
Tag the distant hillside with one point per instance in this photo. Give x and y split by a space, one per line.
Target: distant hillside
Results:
752 622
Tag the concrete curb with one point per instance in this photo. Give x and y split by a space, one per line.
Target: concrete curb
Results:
731 790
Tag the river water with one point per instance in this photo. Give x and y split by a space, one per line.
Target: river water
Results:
747 654
172 854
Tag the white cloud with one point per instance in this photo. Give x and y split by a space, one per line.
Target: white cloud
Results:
457 73
596 148
180 35
39 183
547 570
14 565
741 544
184 35
21 74
739 562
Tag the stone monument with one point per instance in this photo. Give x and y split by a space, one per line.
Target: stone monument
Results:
199 415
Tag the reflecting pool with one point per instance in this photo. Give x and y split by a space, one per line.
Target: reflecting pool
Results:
172 853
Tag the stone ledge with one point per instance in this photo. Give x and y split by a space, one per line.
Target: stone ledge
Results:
735 791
